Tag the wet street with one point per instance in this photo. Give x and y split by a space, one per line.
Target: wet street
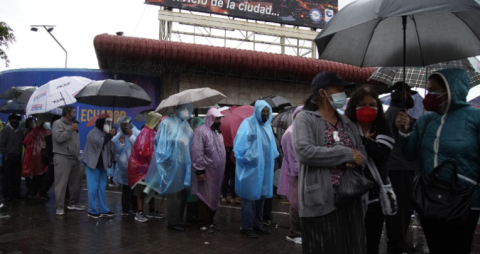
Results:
34 228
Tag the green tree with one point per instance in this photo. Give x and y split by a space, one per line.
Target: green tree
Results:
6 38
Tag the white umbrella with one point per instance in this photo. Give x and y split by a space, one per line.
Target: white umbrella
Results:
54 94
200 97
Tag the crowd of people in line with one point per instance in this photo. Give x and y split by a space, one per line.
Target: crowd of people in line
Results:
324 154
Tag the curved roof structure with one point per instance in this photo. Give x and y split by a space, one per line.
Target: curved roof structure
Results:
156 56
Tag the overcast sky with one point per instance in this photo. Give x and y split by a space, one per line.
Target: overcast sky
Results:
78 22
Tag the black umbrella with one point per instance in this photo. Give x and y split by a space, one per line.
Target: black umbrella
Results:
19 94
369 33
13 107
276 102
143 115
282 121
113 93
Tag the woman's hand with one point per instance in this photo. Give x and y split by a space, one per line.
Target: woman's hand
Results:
357 157
402 122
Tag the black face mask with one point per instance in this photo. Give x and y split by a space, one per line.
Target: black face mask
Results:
410 103
14 124
264 118
216 126
125 130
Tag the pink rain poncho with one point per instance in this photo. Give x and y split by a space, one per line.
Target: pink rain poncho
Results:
170 168
288 183
208 154
255 152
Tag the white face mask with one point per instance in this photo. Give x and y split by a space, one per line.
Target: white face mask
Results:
184 114
106 128
47 126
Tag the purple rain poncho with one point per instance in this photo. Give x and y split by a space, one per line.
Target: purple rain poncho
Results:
288 183
208 154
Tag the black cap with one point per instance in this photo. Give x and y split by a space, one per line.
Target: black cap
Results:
400 87
328 78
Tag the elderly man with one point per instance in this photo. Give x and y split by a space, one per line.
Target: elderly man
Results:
255 152
66 149
170 169
208 163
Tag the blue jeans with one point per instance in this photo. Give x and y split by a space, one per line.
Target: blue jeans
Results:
252 213
96 185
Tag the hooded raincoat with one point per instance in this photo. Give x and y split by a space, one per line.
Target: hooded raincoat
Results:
143 149
208 156
453 135
288 183
170 168
123 150
255 152
35 146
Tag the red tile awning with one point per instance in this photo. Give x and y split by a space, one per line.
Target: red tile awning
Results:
122 52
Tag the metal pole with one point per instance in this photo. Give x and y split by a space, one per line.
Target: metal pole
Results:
404 23
66 54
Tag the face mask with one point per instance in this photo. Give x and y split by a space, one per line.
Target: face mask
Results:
47 126
433 102
216 125
184 114
33 125
74 117
14 124
366 114
339 100
106 128
410 103
125 130
265 118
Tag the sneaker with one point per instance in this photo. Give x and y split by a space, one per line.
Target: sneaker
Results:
94 216
250 233
107 215
294 239
124 214
76 207
60 211
140 217
267 222
1 205
156 215
207 230
215 227
262 230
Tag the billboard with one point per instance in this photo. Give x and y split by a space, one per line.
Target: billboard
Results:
309 13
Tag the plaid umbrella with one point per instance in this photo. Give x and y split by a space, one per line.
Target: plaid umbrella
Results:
475 102
282 121
417 77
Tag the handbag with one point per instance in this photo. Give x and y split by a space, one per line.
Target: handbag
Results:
352 184
445 201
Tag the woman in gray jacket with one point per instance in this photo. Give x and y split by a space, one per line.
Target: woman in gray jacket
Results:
326 145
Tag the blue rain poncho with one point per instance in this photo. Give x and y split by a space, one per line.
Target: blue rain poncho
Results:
255 152
170 168
123 150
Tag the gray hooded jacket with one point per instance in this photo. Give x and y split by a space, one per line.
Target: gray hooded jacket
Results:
315 189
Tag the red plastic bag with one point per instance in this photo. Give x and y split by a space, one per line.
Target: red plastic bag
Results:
35 146
141 156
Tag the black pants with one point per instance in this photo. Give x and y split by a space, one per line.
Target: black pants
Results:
373 227
229 177
397 225
34 183
48 180
12 176
267 209
447 239
205 214
129 201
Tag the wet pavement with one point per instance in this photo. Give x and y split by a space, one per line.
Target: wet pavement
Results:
34 228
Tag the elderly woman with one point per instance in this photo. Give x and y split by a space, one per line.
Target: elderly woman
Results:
451 132
99 154
327 144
